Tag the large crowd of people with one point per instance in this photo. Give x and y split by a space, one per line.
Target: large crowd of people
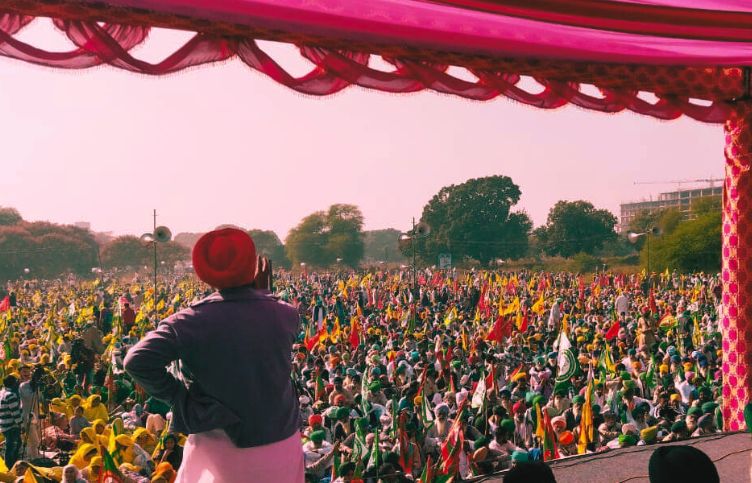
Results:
400 375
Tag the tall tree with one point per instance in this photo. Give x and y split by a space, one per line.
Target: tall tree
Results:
474 220
269 245
575 227
324 236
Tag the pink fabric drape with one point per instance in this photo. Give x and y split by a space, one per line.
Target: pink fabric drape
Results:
736 324
333 71
427 24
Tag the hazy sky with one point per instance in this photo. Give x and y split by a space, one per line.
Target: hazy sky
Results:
223 144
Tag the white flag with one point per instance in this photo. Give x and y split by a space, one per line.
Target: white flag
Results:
480 394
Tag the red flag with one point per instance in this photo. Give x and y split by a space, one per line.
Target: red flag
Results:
5 304
311 343
482 300
613 331
550 449
500 329
522 325
354 334
491 380
406 453
452 447
652 304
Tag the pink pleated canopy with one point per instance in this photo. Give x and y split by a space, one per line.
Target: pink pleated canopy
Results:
665 32
680 51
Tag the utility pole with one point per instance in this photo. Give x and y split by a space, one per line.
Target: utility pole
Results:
154 242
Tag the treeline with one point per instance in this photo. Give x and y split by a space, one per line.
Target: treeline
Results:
43 250
473 223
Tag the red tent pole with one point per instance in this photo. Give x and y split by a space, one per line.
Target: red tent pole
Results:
736 321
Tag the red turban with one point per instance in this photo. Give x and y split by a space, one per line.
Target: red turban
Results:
225 258
519 407
315 419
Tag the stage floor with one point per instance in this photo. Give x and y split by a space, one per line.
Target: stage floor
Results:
732 454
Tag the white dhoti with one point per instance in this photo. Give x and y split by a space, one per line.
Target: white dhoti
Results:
211 457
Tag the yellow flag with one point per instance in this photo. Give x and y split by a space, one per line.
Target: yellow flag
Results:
696 334
451 316
586 421
512 308
336 330
539 307
531 284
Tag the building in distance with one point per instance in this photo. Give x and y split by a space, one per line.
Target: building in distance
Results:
680 199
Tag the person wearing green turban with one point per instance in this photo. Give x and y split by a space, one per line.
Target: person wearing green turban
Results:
708 407
678 432
480 442
315 450
343 413
520 457
507 425
317 437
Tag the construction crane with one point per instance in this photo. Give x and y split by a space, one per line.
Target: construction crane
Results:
678 182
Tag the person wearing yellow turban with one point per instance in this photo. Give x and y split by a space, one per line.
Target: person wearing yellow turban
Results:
59 406
90 436
83 455
93 472
145 439
94 409
132 453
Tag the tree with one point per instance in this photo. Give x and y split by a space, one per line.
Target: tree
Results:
187 239
690 245
575 227
381 246
9 216
46 249
474 220
324 236
269 245
130 251
171 253
126 251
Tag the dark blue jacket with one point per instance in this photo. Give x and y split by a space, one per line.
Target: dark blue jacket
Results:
234 352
